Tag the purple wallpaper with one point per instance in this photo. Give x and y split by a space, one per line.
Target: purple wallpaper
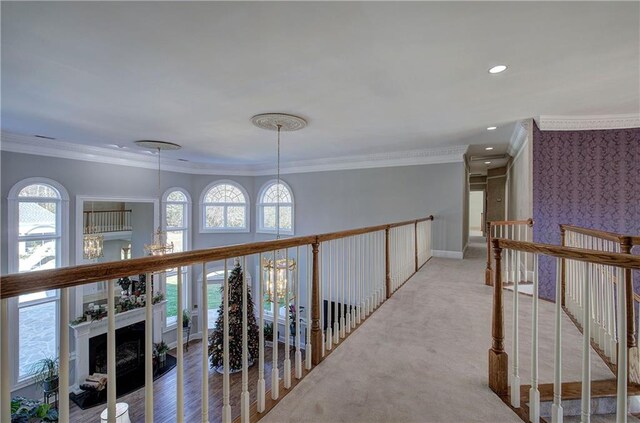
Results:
584 178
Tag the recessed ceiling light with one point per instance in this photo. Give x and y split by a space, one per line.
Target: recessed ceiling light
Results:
487 162
492 128
488 148
498 69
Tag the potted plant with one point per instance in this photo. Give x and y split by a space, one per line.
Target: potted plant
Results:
186 318
45 373
161 349
268 334
24 410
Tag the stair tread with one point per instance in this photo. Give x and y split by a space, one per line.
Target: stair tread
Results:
573 390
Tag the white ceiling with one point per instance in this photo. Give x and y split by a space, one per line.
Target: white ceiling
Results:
369 77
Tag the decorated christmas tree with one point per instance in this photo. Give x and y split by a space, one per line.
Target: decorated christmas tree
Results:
216 339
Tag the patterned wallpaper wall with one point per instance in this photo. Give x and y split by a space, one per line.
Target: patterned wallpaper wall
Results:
584 178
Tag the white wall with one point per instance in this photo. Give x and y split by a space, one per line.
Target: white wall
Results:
520 179
476 206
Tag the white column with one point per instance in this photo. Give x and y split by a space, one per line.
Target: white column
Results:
621 403
204 311
585 416
244 396
111 351
226 406
63 382
556 407
261 391
534 393
148 354
179 353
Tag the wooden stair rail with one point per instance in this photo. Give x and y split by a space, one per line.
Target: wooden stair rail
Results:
488 279
625 243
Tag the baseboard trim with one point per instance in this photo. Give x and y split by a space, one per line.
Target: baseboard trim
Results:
447 254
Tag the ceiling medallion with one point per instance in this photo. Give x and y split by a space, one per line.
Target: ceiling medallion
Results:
272 121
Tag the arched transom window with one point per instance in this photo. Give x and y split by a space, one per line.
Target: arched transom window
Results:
275 208
225 208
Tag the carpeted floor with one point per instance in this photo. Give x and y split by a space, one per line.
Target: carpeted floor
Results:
422 357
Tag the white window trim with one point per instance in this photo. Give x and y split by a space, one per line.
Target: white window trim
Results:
62 259
247 206
186 273
260 205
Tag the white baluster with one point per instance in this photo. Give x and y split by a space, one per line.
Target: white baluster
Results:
297 304
556 407
515 379
63 371
323 285
329 298
359 279
343 286
534 393
585 416
111 351
287 325
204 323
349 283
226 406
244 396
148 352
621 401
5 391
275 373
307 349
180 352
261 390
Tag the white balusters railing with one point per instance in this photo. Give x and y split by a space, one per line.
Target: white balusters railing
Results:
107 221
517 230
326 287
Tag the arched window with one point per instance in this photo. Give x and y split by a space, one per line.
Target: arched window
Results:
225 207
275 208
38 239
177 213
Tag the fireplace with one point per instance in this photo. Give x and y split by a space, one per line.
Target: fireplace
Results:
129 352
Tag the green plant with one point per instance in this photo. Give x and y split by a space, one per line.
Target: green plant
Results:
24 410
268 331
161 348
186 318
45 373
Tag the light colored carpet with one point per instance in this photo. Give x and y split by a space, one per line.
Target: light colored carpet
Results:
422 357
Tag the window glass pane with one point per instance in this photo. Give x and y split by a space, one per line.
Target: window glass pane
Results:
176 196
39 190
285 217
36 255
235 217
172 299
224 193
37 335
214 216
214 299
269 217
37 296
37 218
175 215
276 191
177 237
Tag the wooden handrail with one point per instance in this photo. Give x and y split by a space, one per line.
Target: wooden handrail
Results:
528 221
609 236
627 261
26 283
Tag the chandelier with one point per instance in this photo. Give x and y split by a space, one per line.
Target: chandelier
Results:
92 242
279 270
159 245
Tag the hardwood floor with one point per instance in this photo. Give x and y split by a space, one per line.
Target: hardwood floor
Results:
164 391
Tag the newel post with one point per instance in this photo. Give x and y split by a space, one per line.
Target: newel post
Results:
387 260
498 360
632 346
563 267
488 277
416 243
316 333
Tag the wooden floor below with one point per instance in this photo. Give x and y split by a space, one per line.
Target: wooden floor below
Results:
164 391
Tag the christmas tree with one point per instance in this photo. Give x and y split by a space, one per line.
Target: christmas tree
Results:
216 339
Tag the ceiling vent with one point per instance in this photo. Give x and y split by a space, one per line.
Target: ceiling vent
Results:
489 157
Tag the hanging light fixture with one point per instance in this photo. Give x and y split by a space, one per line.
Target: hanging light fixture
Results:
159 244
92 242
279 268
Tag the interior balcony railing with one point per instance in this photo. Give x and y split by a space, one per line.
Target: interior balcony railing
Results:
518 230
587 281
341 277
103 221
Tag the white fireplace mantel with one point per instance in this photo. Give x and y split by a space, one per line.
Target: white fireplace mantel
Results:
87 330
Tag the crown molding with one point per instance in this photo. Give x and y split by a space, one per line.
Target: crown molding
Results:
586 123
62 149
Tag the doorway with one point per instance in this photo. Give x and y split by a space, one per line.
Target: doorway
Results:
476 213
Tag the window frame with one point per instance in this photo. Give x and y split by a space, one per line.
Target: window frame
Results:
225 229
260 205
186 243
13 263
